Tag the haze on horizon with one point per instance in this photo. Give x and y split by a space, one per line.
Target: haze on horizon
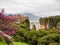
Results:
39 8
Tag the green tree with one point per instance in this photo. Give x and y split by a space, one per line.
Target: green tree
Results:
34 27
58 25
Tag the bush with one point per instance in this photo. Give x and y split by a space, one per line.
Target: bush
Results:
58 26
19 36
54 44
52 38
3 40
32 36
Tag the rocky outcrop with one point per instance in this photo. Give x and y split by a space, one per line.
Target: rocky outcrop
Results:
49 22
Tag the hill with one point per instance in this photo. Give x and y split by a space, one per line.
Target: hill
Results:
31 16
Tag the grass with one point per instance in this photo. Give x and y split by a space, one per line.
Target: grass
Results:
1 43
20 43
15 43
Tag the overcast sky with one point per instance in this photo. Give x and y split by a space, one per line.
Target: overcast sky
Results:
37 7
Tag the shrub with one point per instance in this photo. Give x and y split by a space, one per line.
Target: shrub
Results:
3 40
54 44
52 38
19 36
58 26
33 36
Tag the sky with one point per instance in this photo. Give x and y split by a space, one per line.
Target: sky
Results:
39 8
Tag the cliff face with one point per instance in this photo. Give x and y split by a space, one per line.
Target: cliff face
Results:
49 22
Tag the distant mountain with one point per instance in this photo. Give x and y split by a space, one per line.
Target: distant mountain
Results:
31 16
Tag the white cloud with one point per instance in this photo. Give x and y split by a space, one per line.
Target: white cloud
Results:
37 7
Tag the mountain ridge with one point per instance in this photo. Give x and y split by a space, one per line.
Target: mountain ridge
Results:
31 16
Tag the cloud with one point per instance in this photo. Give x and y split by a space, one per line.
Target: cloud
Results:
36 7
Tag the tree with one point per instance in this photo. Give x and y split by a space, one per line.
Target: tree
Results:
5 25
34 27
58 25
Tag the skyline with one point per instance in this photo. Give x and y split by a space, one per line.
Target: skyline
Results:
39 8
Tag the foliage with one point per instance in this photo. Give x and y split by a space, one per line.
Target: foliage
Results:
58 25
52 38
19 36
3 40
21 32
34 27
54 44
32 36
9 25
5 25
